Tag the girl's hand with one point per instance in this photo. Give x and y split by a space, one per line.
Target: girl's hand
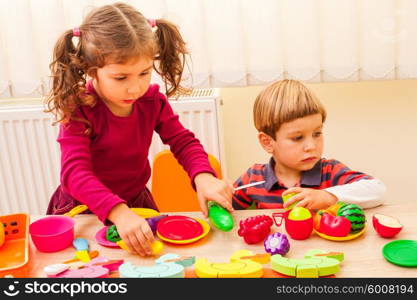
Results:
310 198
133 230
209 188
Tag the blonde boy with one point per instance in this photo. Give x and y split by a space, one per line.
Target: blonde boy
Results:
289 119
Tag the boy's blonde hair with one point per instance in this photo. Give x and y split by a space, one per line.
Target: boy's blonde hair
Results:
284 101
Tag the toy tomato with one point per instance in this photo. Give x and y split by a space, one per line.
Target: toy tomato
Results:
255 229
334 226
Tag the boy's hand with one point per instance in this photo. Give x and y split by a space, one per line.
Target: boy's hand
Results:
133 230
209 188
310 198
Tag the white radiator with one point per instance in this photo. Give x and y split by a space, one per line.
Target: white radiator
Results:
30 156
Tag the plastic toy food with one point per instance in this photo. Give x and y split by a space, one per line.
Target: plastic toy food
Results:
113 236
153 221
307 267
156 247
277 243
299 214
255 229
333 209
286 198
386 226
298 229
331 225
220 217
354 214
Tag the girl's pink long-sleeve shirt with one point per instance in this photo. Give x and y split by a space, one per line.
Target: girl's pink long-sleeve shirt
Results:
111 166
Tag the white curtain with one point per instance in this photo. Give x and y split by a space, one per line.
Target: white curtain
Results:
232 42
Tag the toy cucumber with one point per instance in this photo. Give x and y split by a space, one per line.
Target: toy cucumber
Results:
220 217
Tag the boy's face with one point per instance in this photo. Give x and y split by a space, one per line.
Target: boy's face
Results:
298 144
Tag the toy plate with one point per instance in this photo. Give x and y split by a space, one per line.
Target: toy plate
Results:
179 228
350 236
205 230
401 252
101 239
145 212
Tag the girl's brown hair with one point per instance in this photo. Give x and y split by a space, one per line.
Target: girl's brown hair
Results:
284 101
112 33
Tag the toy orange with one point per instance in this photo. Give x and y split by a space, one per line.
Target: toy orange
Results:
1 234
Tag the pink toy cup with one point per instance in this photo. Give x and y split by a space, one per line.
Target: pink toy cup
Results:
297 229
53 233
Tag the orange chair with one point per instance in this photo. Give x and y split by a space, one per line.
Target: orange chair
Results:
171 186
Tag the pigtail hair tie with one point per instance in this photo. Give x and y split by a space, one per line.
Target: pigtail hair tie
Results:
152 22
76 31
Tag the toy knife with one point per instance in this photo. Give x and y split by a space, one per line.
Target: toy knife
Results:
82 249
249 185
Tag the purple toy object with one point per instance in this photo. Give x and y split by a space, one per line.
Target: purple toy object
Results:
277 243
153 221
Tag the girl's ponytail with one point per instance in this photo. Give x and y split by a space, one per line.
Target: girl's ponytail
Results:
171 56
68 79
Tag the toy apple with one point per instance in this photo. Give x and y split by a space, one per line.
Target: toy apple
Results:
386 226
332 225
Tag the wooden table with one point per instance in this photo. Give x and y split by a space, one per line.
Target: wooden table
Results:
363 256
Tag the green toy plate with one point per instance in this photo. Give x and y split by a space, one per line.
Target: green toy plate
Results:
401 252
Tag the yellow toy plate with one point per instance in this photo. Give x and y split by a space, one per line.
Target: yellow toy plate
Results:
145 212
206 229
340 238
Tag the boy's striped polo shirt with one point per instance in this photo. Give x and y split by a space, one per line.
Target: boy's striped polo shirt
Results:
325 173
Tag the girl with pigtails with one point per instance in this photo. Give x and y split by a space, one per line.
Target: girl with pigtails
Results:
108 110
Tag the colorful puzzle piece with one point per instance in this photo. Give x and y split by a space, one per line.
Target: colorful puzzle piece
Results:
111 265
185 261
87 272
307 267
95 268
322 253
163 270
238 269
246 254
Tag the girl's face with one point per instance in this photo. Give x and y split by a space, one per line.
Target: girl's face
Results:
298 144
120 85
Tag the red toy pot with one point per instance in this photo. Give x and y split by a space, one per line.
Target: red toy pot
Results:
296 229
